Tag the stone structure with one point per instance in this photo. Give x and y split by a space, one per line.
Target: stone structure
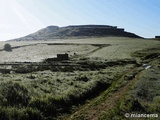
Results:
59 57
157 37
62 56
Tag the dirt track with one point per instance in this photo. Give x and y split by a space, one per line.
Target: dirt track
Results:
92 112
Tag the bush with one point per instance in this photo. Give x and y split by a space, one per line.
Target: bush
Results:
82 78
154 107
49 106
14 94
7 47
12 113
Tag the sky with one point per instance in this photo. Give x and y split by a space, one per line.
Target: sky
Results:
21 17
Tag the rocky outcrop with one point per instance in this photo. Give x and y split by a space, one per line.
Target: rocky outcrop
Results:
79 31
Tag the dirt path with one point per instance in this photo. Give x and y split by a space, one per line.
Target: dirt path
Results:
111 101
92 112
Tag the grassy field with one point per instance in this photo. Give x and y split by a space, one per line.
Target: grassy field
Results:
103 79
120 48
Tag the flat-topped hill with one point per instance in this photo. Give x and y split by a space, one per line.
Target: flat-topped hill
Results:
78 31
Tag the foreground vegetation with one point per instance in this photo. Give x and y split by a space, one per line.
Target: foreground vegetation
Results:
104 82
47 94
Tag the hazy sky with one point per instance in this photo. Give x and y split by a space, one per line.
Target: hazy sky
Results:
21 17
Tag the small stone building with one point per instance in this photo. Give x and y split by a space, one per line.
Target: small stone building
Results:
62 56
158 37
59 57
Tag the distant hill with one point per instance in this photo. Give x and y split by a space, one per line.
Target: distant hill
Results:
79 31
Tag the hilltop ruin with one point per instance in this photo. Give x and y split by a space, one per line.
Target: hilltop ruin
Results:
78 31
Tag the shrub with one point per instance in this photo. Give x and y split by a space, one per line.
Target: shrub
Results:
12 113
146 90
50 106
82 78
33 114
7 47
154 107
14 94
3 114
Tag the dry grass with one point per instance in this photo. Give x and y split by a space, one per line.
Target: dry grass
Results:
120 48
47 91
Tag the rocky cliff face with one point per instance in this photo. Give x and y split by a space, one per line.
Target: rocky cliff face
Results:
55 32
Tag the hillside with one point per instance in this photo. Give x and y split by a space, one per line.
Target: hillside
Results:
105 78
79 31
